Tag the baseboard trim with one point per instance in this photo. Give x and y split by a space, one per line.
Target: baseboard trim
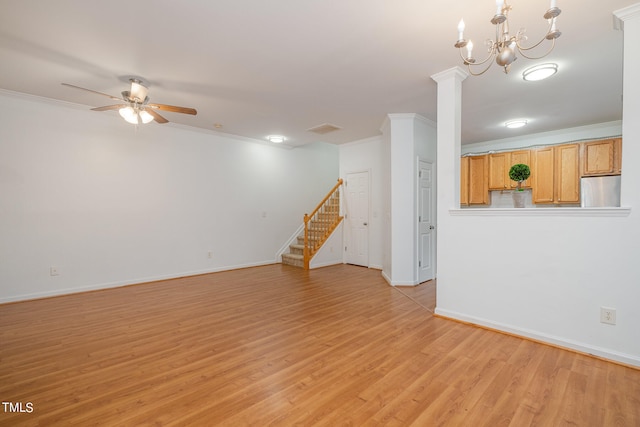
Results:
391 283
325 264
609 355
121 283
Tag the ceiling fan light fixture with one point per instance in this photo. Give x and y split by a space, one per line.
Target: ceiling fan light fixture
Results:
138 90
129 114
145 117
539 72
136 109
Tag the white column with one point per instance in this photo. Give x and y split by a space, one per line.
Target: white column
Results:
629 20
403 256
448 173
449 131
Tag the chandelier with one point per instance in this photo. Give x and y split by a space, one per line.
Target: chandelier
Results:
505 46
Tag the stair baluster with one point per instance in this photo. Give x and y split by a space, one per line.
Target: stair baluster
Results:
322 221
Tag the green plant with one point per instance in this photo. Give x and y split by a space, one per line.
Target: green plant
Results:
519 173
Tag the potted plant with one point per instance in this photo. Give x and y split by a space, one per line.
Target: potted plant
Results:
519 173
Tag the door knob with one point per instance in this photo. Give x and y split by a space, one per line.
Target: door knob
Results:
364 223
431 227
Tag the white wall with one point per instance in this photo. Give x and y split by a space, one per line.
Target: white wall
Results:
546 274
108 205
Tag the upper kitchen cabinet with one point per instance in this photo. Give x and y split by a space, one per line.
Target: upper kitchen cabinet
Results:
617 156
602 157
464 181
555 174
499 165
499 171
520 157
474 180
542 172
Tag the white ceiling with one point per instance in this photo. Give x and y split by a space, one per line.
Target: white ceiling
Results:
283 66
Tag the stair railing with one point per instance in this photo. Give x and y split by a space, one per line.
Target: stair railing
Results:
319 225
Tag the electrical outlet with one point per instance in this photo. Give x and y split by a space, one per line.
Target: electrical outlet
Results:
53 271
608 315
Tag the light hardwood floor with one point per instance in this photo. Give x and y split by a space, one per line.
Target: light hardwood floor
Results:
281 346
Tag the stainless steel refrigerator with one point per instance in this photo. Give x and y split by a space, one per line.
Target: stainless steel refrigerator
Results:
600 191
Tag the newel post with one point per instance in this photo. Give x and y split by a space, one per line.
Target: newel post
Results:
305 250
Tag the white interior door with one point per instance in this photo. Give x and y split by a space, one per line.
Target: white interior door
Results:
357 219
426 223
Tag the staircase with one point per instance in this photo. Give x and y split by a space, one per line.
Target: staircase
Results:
295 257
317 228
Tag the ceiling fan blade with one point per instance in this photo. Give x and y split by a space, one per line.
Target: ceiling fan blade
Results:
157 117
115 98
109 107
173 108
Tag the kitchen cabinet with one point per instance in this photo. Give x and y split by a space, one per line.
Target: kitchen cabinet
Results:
542 172
603 157
474 180
555 174
567 173
617 156
464 181
499 166
499 171
522 157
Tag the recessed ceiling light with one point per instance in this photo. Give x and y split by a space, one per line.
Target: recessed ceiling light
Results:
539 72
276 139
515 124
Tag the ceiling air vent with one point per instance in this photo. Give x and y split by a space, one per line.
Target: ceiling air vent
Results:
324 128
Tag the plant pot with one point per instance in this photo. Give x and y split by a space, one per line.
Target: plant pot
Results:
518 199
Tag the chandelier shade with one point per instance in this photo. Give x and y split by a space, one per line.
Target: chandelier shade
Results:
505 48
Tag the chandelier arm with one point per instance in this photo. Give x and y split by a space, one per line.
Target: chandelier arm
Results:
522 48
481 72
520 35
522 51
491 55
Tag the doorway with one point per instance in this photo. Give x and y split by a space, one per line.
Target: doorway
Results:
426 222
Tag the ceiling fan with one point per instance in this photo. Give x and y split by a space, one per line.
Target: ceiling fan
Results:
134 104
